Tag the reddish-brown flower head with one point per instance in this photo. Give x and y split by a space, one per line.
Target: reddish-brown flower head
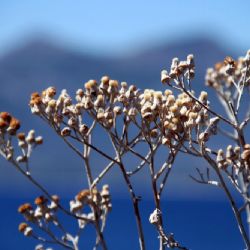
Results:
24 208
22 226
40 200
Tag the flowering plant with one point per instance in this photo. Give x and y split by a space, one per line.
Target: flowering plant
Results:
176 121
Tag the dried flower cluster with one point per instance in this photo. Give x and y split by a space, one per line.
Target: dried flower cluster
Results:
174 120
91 198
9 126
43 213
226 74
159 114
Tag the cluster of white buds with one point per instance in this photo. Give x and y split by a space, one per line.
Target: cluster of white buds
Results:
9 126
228 73
106 199
232 157
27 143
175 115
43 213
179 68
104 102
99 201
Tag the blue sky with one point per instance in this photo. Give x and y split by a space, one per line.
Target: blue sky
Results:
120 26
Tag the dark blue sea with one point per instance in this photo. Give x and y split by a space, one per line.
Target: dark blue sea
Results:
197 225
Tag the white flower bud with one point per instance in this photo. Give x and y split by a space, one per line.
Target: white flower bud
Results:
28 231
117 110
75 206
22 144
154 218
30 137
21 159
38 213
65 131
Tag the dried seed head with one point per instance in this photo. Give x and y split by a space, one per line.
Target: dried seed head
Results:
175 120
55 198
21 136
105 187
203 136
203 96
65 131
105 80
245 155
113 83
168 92
51 91
117 110
40 247
174 108
183 65
154 217
83 195
22 226
229 60
52 103
39 212
75 206
54 202
84 129
72 122
14 126
147 96
25 208
220 156
165 78
237 150
21 158
132 112
170 99
3 124
124 85
166 141
100 114
6 116
48 217
99 102
39 140
28 231
80 92
40 200
35 99
190 60
90 84
22 144
30 137
148 116
154 133
179 103
193 115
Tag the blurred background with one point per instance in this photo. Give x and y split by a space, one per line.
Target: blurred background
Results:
65 43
